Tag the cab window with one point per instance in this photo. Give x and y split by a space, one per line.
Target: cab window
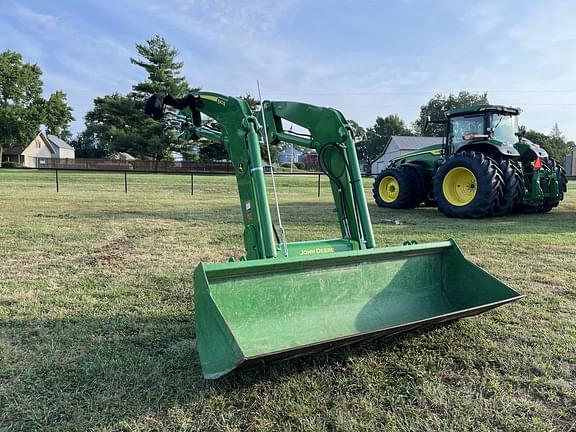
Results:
461 126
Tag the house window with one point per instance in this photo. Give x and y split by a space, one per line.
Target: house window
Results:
37 144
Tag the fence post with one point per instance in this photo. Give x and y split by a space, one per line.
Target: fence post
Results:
125 181
318 185
57 181
192 183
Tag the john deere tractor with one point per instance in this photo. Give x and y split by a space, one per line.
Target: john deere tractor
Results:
483 167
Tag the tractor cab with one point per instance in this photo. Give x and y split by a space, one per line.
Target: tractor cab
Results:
481 124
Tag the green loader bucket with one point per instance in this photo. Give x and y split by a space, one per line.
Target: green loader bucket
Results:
253 311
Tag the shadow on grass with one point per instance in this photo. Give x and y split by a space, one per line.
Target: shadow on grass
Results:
335 358
86 372
423 219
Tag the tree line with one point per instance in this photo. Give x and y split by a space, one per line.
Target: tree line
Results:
117 122
373 140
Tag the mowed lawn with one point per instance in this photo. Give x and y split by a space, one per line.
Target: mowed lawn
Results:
97 317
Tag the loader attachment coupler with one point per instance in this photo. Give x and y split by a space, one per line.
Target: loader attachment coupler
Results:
264 310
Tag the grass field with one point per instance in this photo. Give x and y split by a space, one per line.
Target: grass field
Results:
97 333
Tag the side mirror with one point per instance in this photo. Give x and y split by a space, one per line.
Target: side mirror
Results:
521 132
425 127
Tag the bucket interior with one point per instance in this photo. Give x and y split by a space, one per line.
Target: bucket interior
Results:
289 306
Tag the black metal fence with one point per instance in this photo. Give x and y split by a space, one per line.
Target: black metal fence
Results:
192 174
136 165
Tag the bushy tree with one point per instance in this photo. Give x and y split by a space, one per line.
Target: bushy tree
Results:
117 123
377 136
554 143
23 110
213 151
358 131
158 59
253 103
87 145
58 115
439 104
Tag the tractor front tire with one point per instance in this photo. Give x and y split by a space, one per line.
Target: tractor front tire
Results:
398 188
468 185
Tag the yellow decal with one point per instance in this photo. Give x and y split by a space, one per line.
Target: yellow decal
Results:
408 155
215 99
318 250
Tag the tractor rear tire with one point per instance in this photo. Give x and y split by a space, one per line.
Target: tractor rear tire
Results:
468 185
511 188
423 179
398 188
550 203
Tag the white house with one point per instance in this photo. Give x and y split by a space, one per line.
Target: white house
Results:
399 145
45 147
290 154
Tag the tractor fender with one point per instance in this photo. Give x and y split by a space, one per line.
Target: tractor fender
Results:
489 147
534 148
419 167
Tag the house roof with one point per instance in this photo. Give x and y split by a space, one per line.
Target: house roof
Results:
414 142
126 156
410 143
57 142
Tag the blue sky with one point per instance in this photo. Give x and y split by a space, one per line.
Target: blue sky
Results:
366 58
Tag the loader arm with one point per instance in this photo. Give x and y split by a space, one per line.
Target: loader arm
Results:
241 133
331 137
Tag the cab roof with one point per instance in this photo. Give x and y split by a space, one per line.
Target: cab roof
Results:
480 108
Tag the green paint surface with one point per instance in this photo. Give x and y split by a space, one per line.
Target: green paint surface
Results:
262 309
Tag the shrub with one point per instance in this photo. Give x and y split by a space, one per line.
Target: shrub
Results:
297 165
11 164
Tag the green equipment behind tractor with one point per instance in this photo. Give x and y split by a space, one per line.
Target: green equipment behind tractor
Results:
285 299
483 167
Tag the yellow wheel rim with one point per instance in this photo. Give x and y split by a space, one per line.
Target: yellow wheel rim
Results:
389 189
459 186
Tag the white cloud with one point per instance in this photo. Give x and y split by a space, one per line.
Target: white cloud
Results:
227 45
34 19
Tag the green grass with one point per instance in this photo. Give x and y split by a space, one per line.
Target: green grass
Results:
96 317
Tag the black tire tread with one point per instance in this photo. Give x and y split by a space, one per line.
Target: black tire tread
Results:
489 185
511 188
410 188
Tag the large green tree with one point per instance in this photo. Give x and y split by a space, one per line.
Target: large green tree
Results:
554 143
23 110
87 144
376 137
118 122
58 115
159 60
439 104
